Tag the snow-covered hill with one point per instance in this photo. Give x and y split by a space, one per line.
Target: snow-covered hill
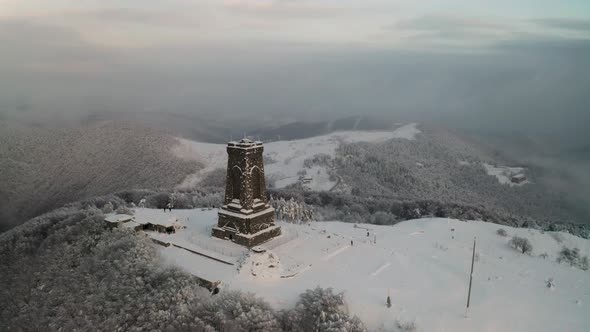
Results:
424 264
412 163
285 159
42 169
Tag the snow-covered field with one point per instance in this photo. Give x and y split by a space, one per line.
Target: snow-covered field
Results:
285 158
423 263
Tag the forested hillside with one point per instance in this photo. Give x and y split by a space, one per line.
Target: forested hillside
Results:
443 167
66 271
43 169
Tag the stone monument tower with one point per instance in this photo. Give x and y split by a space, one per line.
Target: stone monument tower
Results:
246 217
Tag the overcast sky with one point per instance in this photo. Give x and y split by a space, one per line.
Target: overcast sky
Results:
291 58
135 24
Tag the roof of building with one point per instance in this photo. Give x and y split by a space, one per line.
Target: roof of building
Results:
162 222
155 219
117 218
131 224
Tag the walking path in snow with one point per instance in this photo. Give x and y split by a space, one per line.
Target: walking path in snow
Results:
335 253
380 269
200 252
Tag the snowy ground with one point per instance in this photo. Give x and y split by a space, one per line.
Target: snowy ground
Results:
288 156
425 269
505 173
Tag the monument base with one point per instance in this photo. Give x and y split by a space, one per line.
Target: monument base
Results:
246 229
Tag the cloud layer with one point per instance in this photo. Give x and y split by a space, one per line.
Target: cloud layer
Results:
294 58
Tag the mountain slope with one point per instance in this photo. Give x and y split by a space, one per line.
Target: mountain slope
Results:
445 167
423 263
410 163
65 270
43 169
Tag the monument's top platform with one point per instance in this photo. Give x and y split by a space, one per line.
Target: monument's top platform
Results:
244 143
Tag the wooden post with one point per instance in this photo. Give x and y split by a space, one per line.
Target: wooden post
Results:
470 277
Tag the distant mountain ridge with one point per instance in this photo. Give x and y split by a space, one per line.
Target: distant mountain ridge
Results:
302 129
210 128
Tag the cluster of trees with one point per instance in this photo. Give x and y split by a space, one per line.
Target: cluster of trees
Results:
43 169
320 310
521 244
188 199
384 210
65 270
502 232
292 210
565 255
320 159
573 258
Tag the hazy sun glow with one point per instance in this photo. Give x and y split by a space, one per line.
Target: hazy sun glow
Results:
380 23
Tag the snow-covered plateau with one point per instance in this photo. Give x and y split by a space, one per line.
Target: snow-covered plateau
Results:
422 264
284 160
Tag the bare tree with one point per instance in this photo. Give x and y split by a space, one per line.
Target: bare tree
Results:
521 244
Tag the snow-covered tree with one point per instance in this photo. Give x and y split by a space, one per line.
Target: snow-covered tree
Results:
291 210
522 244
320 310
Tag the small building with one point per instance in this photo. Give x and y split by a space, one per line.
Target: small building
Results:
127 221
116 220
518 178
133 225
162 228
